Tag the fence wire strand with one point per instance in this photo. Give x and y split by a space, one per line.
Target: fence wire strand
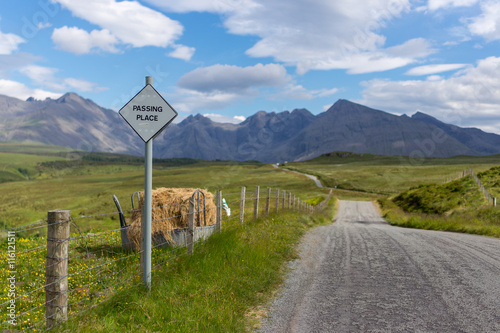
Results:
105 266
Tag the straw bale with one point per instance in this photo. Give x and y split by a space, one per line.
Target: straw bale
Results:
170 211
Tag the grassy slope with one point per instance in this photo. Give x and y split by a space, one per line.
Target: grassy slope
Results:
455 206
219 289
491 180
442 199
32 148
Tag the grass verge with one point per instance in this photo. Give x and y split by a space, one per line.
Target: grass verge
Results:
454 206
214 290
480 221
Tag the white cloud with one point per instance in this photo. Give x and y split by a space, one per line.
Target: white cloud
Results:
82 85
293 91
373 61
230 78
9 43
43 25
438 4
12 62
433 69
314 34
218 118
471 97
45 77
191 101
213 6
127 22
487 24
218 86
79 41
182 52
21 91
434 78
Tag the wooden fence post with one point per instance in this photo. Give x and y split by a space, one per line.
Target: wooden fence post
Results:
218 211
283 199
56 269
191 227
268 200
256 204
289 205
277 199
242 204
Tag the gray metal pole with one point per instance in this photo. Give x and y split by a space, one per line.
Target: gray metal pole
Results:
148 189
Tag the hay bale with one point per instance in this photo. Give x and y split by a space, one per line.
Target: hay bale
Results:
170 211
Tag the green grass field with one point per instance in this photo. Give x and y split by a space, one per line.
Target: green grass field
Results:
84 183
387 175
413 193
223 286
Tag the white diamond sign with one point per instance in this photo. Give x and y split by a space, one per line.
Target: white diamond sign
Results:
148 113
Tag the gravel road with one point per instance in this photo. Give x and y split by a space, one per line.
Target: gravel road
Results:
313 178
360 274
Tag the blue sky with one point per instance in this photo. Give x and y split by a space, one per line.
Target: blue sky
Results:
228 59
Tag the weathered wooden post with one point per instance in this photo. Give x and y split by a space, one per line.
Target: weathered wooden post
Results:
218 210
191 227
289 200
277 199
283 199
242 204
256 203
268 200
56 269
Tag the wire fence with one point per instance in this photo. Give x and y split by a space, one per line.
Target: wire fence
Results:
39 294
469 172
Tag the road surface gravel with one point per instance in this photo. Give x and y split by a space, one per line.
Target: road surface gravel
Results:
360 274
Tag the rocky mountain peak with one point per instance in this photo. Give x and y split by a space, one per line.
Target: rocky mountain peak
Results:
70 97
76 122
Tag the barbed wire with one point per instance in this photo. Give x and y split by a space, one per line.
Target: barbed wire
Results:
24 226
94 253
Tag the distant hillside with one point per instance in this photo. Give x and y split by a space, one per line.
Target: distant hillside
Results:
75 122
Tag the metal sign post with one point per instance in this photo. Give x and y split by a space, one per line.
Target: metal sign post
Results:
148 114
148 190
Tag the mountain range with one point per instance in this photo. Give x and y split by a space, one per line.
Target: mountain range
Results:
75 122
